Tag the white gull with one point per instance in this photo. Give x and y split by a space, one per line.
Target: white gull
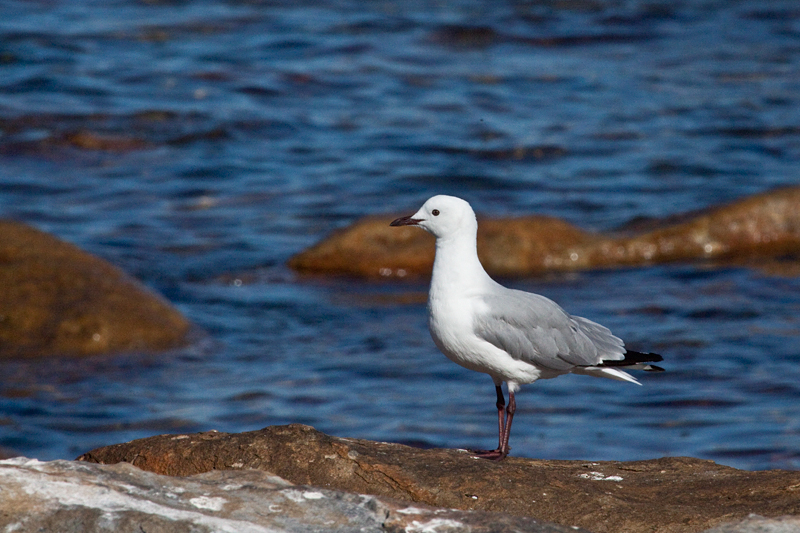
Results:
514 336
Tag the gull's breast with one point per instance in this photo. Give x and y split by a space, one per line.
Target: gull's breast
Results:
451 325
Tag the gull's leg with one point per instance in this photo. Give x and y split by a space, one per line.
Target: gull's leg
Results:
501 430
510 410
501 416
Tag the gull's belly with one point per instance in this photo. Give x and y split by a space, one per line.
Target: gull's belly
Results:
452 330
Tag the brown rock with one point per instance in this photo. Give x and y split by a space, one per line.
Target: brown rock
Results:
89 140
676 494
511 246
764 225
369 248
57 299
506 247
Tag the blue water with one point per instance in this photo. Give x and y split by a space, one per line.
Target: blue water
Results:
255 128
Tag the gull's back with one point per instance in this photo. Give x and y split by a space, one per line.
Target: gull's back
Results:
536 330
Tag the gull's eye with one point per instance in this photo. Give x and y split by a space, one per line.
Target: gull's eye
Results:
435 212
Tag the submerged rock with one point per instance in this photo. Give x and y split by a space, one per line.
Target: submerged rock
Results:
89 140
764 225
661 495
72 497
57 299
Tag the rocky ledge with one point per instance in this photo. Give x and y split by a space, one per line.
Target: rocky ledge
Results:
675 494
74 497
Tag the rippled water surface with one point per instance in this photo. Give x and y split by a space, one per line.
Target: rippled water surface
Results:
198 145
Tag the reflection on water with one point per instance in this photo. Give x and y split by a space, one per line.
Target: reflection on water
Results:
199 144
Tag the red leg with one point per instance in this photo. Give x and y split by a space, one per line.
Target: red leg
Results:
510 410
502 424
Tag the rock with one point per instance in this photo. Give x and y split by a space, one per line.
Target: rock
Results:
369 248
89 140
674 494
56 299
764 225
759 524
507 247
72 497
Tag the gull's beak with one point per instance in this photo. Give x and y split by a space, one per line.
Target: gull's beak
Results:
406 221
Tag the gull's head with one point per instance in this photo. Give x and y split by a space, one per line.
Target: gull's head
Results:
442 216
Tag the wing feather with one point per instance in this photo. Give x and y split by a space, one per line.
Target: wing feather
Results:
535 329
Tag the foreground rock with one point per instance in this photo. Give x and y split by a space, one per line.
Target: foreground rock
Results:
57 299
759 524
663 495
764 225
71 497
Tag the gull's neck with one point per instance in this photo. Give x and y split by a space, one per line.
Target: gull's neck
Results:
456 267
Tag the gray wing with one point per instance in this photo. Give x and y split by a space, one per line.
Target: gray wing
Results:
535 329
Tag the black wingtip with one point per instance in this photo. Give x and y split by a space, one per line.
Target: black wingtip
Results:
635 358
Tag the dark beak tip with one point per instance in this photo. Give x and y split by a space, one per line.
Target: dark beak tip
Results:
405 221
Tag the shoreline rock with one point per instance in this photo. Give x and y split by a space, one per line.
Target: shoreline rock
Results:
671 494
73 497
56 299
764 225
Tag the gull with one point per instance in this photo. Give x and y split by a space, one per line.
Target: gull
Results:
514 336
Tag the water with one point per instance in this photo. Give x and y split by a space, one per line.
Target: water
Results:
198 145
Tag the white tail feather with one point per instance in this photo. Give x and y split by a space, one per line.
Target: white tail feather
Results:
605 372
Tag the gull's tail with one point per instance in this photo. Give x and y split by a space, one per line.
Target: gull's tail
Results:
612 369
